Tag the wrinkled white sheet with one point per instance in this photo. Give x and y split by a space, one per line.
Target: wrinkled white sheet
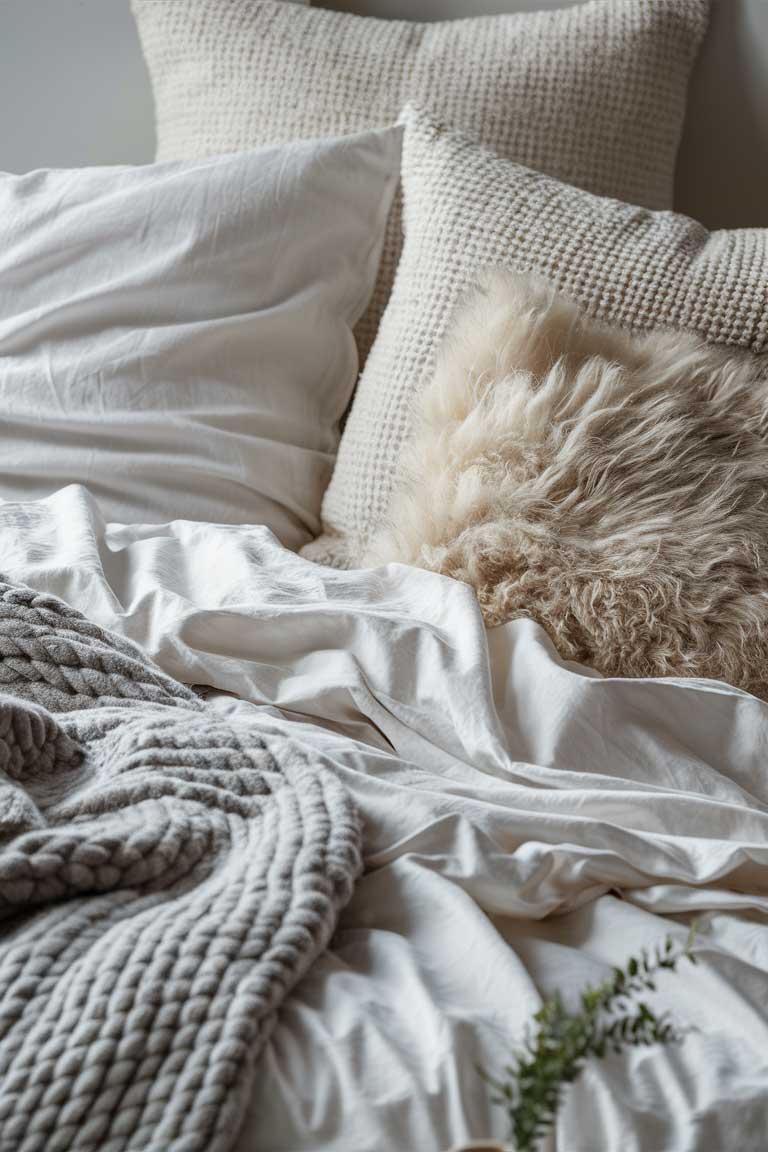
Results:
528 824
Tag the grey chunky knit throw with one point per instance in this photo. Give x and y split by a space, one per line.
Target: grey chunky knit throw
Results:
165 878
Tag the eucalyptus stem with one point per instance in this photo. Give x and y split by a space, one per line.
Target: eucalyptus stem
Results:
555 1051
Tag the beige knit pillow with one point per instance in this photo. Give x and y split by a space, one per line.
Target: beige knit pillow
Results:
467 209
593 94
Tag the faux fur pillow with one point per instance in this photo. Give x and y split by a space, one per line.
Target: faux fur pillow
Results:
613 488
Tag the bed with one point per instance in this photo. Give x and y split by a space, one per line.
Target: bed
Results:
527 823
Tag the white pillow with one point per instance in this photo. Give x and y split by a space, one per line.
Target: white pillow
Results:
467 209
178 337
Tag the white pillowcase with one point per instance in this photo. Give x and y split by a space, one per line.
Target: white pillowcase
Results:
178 337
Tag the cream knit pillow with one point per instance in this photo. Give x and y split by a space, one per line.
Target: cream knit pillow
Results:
466 209
593 94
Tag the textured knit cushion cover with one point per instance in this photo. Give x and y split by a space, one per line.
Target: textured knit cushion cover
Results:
612 487
593 94
467 209
165 879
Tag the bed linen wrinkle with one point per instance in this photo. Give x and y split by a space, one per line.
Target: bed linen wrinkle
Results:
527 825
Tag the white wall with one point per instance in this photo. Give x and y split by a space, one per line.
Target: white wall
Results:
722 170
74 90
73 86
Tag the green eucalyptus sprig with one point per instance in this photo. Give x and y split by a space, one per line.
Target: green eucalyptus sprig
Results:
554 1052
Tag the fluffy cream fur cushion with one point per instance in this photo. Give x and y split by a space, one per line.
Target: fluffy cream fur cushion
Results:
613 488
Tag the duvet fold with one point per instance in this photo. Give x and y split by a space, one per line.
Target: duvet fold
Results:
526 825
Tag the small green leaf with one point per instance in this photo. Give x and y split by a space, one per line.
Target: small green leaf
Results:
554 1052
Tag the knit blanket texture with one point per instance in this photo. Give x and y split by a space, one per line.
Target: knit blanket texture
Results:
166 876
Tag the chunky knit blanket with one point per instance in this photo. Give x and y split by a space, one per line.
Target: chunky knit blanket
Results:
165 878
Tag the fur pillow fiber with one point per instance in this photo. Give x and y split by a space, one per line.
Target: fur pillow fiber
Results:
613 488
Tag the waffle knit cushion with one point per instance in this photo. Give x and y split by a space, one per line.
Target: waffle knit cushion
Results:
467 209
593 94
165 879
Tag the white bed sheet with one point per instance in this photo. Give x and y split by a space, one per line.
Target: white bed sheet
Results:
528 824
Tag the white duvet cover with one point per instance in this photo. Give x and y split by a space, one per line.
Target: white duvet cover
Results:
528 825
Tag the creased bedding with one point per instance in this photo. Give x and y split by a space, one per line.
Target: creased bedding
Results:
526 824
166 876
